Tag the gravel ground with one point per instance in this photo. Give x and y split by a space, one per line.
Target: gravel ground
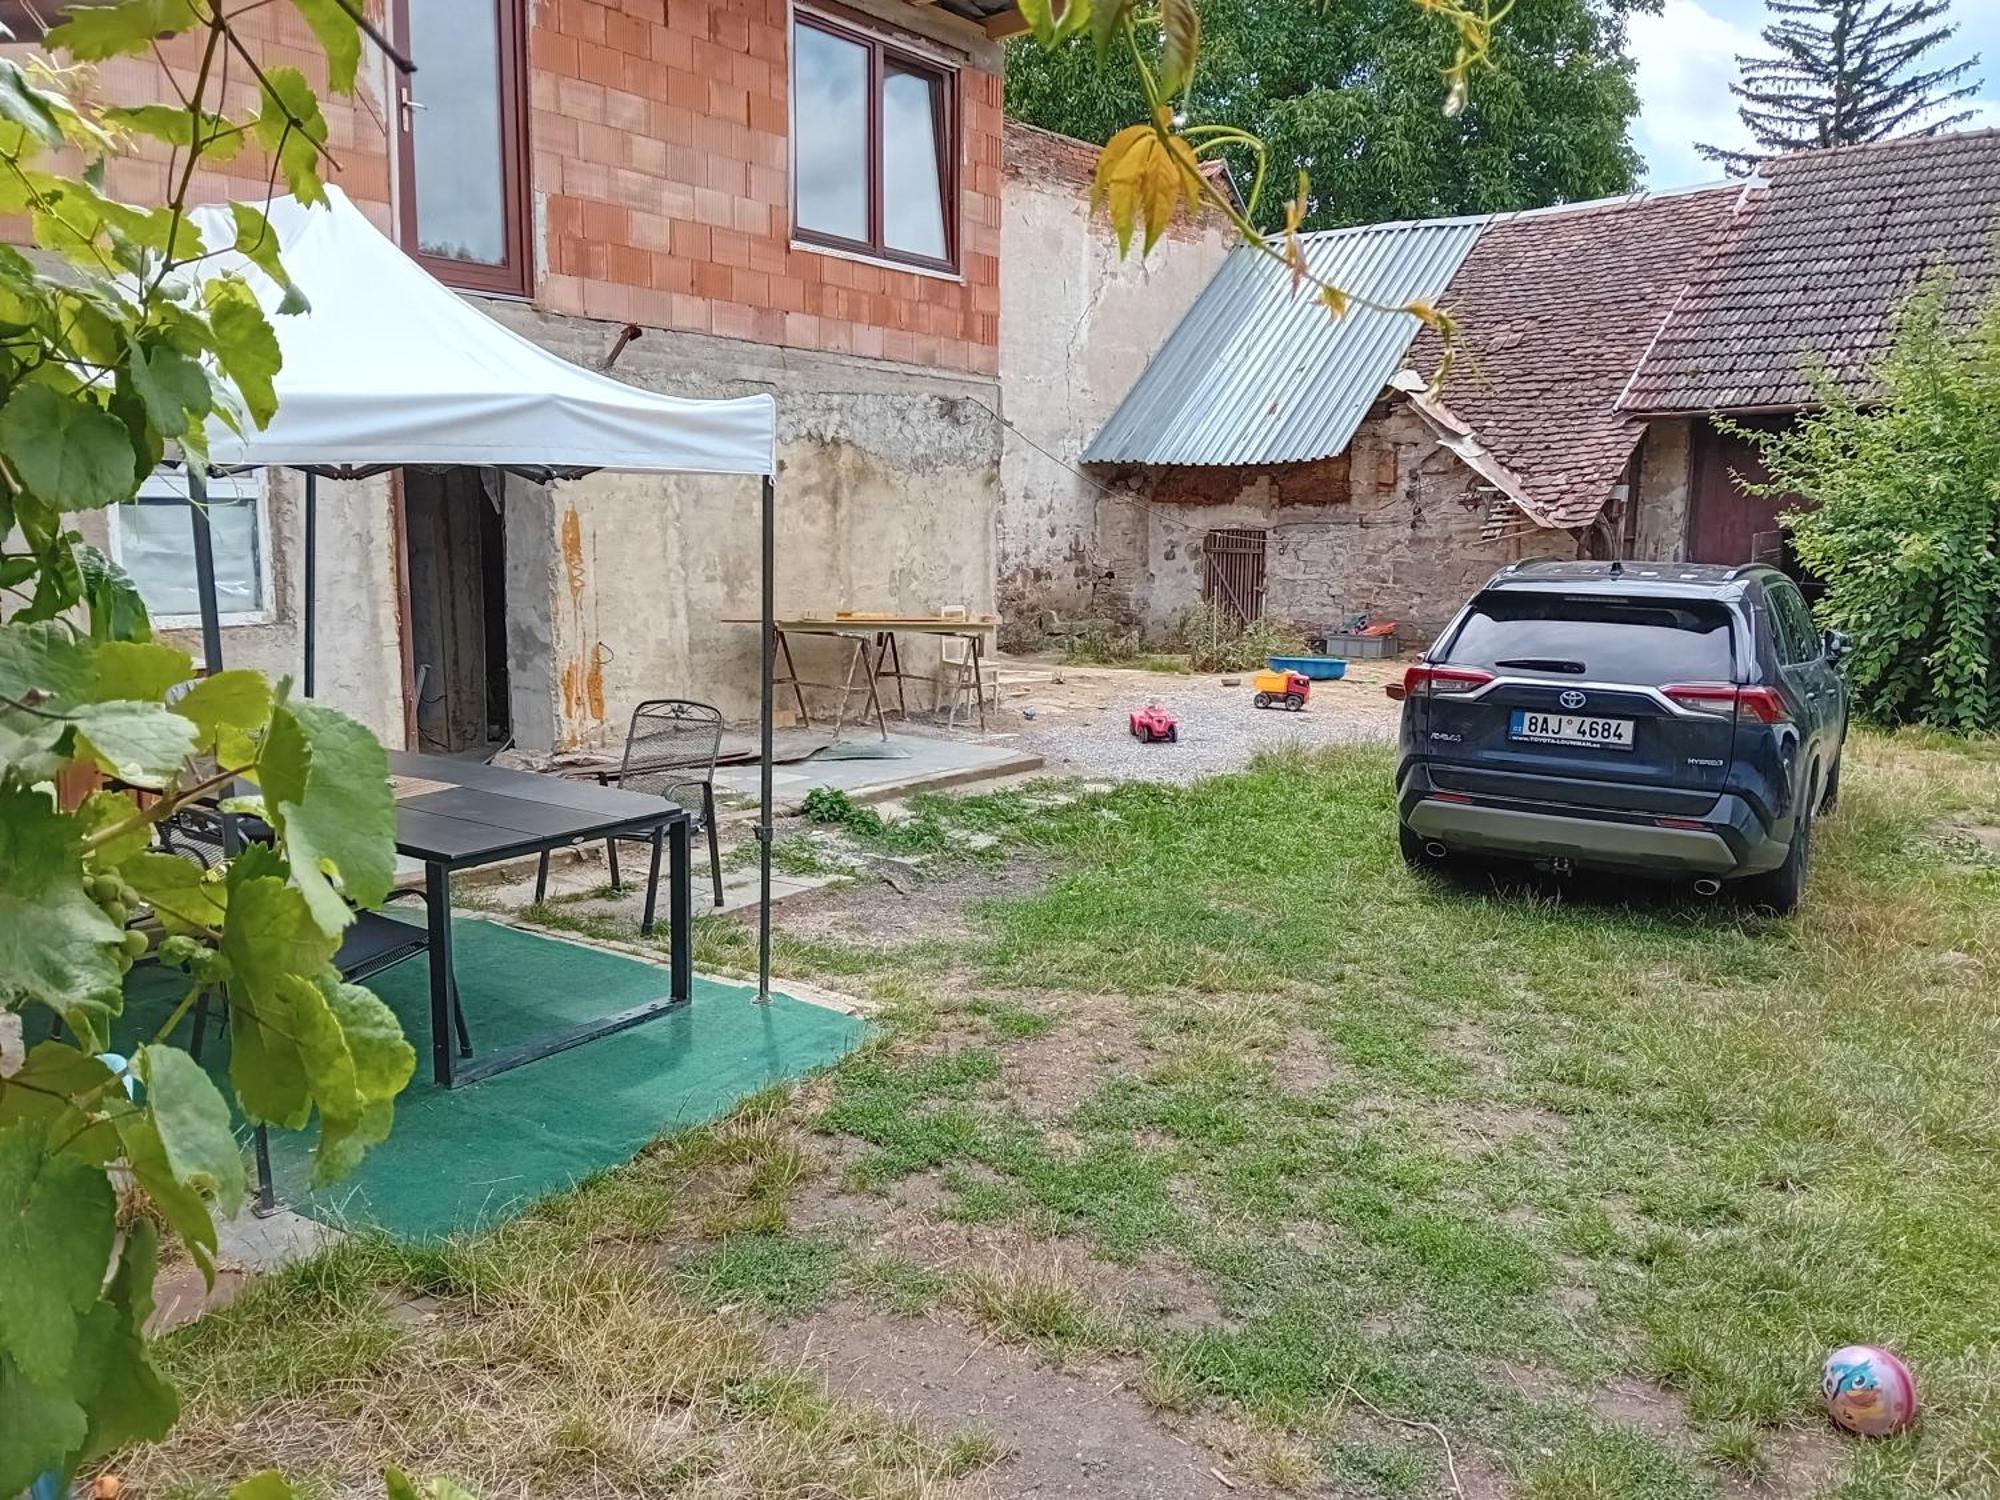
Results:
1080 724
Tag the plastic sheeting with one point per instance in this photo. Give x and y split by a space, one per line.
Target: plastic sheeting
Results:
391 367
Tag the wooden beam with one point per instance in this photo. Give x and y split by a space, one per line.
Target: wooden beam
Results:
1007 23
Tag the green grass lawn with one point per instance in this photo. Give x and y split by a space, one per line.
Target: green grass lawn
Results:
1581 1180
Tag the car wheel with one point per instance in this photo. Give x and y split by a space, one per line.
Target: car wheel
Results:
1830 799
1174 735
1294 702
1414 854
1778 892
1262 700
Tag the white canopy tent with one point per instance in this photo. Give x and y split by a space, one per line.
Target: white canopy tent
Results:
390 368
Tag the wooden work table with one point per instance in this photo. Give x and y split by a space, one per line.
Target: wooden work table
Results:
874 656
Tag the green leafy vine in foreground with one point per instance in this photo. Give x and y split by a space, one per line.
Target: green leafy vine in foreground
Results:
119 343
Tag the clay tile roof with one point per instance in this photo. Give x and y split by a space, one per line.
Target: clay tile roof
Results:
1819 268
1556 307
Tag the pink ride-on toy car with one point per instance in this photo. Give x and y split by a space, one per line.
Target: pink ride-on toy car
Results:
1150 724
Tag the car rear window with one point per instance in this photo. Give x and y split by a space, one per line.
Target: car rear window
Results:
1652 641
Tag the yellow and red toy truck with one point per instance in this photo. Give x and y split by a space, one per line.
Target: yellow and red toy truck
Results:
1281 689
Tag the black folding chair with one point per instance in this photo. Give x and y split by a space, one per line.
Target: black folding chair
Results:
670 752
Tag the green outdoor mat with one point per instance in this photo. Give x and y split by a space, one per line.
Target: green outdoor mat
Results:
474 1156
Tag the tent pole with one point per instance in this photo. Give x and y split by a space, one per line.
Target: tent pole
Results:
312 575
769 638
204 572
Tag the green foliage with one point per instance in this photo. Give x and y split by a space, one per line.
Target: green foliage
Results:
1905 521
121 359
1216 642
829 806
1350 91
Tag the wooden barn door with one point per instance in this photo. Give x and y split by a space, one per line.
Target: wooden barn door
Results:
1232 580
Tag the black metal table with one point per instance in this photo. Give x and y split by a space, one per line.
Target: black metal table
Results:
457 815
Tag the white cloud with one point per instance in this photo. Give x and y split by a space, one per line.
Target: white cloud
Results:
1687 60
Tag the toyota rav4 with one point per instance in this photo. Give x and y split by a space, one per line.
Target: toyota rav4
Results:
1673 720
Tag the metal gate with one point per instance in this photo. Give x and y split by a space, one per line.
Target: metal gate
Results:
1232 580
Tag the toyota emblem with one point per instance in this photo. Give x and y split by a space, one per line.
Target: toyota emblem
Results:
1572 699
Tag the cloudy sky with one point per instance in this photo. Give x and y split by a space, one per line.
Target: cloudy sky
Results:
1687 58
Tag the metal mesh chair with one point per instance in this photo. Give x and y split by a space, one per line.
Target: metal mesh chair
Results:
670 752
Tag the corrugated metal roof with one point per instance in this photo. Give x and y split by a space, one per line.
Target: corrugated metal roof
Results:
1258 372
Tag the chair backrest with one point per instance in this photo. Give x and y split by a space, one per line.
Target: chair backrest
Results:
673 743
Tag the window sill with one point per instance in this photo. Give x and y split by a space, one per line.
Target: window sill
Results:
882 262
228 622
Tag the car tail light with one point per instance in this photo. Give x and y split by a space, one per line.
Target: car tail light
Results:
1440 681
1694 824
1727 701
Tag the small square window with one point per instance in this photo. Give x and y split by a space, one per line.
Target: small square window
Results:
152 537
875 153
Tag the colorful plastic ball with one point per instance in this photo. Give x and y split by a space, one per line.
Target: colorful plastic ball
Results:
1869 1391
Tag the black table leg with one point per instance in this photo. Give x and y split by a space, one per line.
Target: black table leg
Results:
437 887
652 884
680 907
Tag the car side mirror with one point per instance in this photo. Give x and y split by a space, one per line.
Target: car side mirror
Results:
1837 643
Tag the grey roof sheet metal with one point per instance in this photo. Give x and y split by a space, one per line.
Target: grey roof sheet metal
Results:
1261 372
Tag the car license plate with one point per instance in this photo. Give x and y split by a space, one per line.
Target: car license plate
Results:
1572 729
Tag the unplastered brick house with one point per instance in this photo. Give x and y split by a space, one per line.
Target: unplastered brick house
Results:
709 197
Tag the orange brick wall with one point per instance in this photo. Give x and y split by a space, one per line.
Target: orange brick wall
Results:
659 166
659 138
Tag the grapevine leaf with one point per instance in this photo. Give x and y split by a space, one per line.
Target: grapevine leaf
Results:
140 670
39 1428
94 32
378 1062
117 613
139 743
174 387
127 1401
27 106
185 1210
326 783
339 38
56 947
55 1242
102 811
67 449
175 126
269 1485
179 891
245 346
193 1122
62 1089
43 661
1180 24
289 124
270 935
257 242
239 699
1107 17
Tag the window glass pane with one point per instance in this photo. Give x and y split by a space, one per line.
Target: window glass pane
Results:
156 546
830 126
460 170
912 175
1653 641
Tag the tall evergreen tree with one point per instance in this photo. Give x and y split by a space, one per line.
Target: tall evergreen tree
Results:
1845 72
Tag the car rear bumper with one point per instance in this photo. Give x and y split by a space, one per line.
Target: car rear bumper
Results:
1731 840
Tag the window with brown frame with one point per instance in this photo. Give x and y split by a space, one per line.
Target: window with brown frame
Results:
874 147
462 140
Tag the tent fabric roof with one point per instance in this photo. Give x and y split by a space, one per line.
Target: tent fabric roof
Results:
391 367
1260 372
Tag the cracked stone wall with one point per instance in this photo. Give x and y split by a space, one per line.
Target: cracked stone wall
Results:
1076 330
1660 532
1390 529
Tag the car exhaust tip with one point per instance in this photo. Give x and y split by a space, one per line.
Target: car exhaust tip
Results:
1708 885
1435 850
